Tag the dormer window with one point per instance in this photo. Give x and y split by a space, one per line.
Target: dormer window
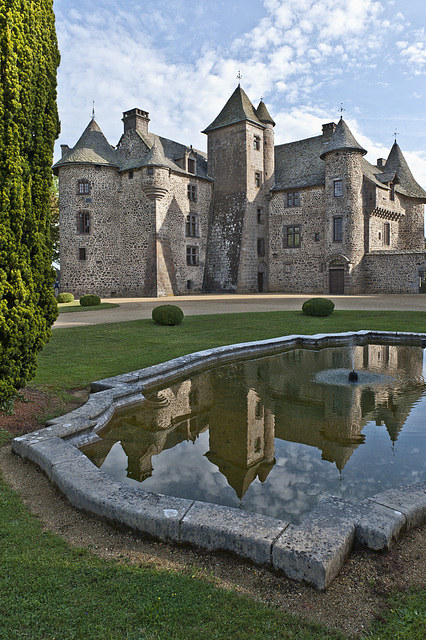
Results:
83 187
191 165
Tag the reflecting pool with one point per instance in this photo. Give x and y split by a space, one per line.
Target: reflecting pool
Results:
274 435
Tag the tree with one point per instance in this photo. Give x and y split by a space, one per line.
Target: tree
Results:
29 125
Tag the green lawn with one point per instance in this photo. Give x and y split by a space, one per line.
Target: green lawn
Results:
75 306
49 590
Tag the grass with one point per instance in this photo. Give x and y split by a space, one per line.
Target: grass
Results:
49 590
75 306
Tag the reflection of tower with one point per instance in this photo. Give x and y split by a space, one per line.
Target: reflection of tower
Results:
242 439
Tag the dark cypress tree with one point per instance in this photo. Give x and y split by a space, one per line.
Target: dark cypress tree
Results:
29 125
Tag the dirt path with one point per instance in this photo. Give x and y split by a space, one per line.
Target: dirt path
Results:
350 604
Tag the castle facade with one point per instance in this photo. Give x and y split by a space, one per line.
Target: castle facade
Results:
152 217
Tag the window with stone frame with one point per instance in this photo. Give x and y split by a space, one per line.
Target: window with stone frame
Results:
292 236
192 256
386 234
191 165
83 187
292 199
392 191
150 171
338 188
192 192
258 178
82 253
261 247
260 218
192 226
83 222
337 229
256 143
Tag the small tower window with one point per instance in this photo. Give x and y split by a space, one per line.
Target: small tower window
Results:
258 179
338 188
386 234
83 187
337 229
83 222
392 191
82 253
261 246
192 256
192 192
130 175
260 216
256 142
150 171
191 229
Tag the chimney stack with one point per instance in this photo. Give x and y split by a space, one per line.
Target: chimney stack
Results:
136 119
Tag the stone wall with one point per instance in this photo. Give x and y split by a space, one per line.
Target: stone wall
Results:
393 271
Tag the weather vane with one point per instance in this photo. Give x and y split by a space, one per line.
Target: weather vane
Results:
239 76
341 109
396 133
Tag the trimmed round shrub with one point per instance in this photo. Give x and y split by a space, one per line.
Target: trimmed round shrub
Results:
64 297
90 300
167 314
318 307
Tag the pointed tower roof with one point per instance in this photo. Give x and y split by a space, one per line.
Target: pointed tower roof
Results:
405 182
263 114
237 109
92 148
342 138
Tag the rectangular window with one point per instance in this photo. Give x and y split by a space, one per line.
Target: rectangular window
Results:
257 179
150 171
256 143
292 236
192 256
260 216
83 187
192 192
82 253
316 237
261 246
338 188
191 165
392 191
293 199
386 234
191 228
83 222
337 229
130 175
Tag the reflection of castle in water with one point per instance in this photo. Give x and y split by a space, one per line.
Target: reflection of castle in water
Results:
247 405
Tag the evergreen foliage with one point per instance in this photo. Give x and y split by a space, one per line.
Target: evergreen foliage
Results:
29 125
90 300
64 297
320 307
167 314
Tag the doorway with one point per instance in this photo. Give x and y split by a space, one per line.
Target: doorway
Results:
337 281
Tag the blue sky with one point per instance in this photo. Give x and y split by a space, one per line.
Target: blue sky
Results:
179 60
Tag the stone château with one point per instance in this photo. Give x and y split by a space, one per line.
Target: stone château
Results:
153 217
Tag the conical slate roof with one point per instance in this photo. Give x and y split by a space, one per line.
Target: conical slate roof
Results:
405 182
92 148
263 114
237 109
342 138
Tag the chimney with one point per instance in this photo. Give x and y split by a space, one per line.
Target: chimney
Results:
381 163
136 119
64 149
327 131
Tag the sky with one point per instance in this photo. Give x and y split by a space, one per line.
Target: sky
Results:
310 61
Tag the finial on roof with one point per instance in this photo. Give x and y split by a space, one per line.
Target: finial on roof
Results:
396 133
93 110
341 110
239 77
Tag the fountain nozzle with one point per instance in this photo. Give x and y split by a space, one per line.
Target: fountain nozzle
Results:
353 376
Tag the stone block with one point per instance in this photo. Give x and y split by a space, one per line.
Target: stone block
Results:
409 500
214 527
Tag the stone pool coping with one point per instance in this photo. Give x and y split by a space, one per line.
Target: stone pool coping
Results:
312 551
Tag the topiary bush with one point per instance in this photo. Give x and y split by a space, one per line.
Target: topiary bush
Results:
167 314
90 300
64 297
320 307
